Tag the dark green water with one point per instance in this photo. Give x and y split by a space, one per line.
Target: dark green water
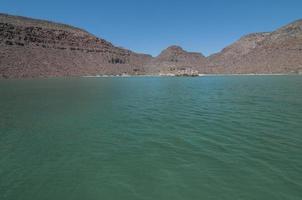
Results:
151 138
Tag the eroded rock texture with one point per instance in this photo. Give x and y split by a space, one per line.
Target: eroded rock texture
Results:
276 52
35 48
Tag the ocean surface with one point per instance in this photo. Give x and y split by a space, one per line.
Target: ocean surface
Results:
151 138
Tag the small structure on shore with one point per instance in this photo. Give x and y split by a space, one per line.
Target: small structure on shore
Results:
187 72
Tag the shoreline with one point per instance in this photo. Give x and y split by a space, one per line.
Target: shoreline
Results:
150 76
199 75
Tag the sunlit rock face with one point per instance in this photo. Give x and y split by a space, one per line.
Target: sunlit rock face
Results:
279 51
36 48
175 59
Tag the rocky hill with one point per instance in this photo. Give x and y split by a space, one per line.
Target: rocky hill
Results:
174 59
37 48
276 52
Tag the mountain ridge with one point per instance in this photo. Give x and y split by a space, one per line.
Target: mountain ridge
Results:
279 51
40 48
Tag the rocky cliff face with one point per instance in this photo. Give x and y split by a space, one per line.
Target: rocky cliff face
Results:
35 48
276 52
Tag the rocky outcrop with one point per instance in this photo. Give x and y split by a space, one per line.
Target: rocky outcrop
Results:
36 48
276 52
236 51
175 59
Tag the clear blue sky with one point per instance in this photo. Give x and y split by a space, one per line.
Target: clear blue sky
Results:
149 26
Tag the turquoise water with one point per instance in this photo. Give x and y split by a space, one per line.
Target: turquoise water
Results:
233 137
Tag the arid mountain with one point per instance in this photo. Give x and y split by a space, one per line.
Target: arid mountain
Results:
36 48
237 50
276 52
174 59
